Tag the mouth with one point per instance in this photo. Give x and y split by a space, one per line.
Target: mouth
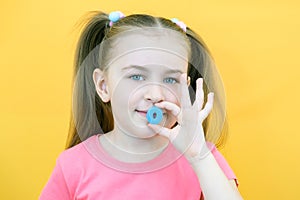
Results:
143 113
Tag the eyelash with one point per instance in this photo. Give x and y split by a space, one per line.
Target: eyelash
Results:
131 77
176 81
135 75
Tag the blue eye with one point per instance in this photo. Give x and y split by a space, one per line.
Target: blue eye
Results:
170 80
137 77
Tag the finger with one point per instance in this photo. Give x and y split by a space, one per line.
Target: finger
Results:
175 110
185 95
208 106
198 104
160 130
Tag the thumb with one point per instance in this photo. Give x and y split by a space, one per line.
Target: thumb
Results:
160 130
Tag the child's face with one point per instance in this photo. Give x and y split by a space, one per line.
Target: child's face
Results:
146 71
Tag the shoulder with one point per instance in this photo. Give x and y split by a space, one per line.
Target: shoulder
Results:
76 157
222 162
73 163
72 154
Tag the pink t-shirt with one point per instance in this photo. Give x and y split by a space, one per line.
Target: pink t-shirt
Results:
80 175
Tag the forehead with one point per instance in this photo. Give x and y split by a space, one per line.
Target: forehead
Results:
142 47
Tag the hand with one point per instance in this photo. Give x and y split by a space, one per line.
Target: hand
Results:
188 136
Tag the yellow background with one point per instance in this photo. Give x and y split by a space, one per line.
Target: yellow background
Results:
255 45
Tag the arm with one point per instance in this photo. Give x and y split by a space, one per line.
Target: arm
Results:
188 137
56 187
232 182
213 182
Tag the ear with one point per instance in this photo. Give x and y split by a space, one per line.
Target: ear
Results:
101 85
189 81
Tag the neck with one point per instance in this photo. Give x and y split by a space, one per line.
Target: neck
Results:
136 145
128 148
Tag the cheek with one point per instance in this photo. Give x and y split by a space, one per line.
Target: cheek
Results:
128 94
120 96
172 95
134 98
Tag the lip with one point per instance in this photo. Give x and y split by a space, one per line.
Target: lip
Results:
141 112
144 112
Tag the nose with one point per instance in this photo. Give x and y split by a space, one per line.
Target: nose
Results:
154 94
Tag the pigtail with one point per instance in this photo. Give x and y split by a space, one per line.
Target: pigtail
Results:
202 65
89 115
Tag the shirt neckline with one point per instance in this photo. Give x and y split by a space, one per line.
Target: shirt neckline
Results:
167 157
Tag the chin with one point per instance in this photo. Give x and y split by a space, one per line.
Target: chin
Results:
147 134
137 130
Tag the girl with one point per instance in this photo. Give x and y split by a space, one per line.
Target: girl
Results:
123 67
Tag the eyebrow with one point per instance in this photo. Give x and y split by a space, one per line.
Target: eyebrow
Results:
170 71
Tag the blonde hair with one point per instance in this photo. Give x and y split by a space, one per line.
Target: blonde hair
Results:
86 101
